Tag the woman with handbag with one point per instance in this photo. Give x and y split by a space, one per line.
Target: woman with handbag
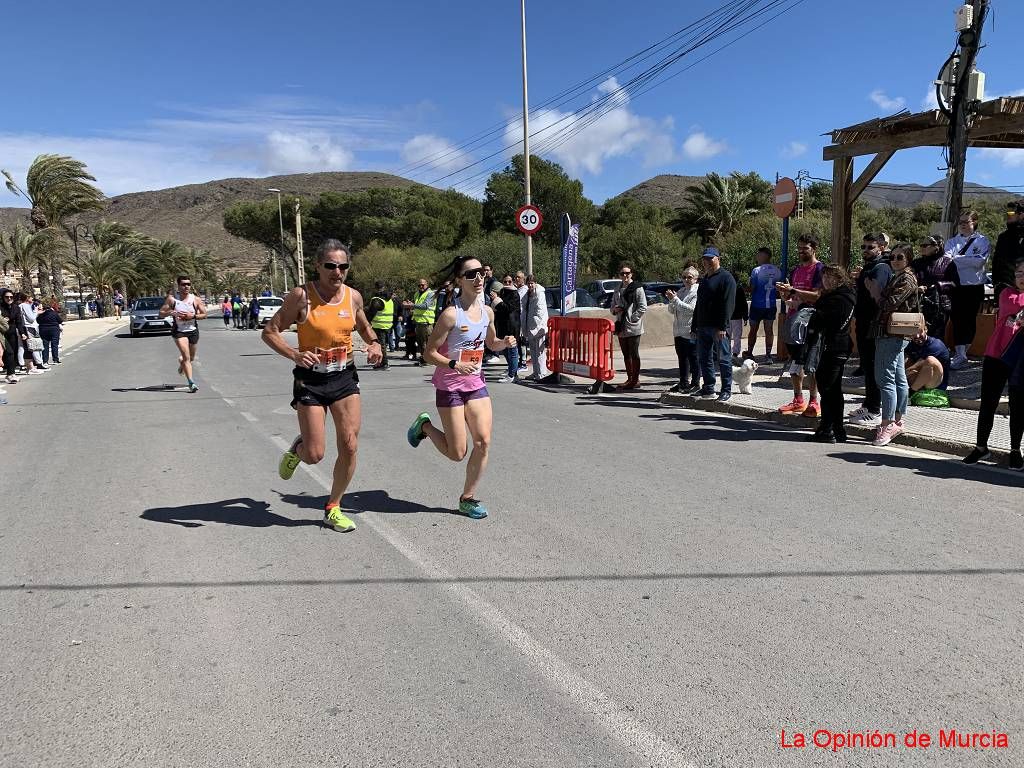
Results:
32 345
1003 357
899 319
830 326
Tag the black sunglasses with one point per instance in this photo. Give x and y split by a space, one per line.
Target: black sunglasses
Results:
473 274
331 266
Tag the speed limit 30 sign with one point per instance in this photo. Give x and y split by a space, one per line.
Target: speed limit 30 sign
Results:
529 219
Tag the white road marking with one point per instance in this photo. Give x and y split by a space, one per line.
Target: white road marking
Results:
588 698
249 417
229 402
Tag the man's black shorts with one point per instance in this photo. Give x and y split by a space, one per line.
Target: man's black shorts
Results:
323 389
192 336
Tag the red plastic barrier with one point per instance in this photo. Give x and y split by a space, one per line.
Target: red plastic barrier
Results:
581 346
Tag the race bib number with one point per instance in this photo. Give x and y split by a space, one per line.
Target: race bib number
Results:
474 357
331 360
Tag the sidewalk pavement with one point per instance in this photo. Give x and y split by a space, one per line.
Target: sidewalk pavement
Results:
946 430
78 332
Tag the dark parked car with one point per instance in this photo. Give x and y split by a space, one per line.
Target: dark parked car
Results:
553 298
655 291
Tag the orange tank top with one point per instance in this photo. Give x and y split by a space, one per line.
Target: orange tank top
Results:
327 327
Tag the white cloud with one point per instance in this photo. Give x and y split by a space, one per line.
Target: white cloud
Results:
884 102
269 135
304 153
619 132
794 149
929 101
434 152
1009 158
700 146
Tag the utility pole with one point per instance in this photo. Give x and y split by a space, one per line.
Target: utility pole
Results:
526 141
298 242
961 111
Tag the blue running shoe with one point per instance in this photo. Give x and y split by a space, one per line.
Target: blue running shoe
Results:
415 433
472 508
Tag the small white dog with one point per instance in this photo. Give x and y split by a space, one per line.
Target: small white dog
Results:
743 374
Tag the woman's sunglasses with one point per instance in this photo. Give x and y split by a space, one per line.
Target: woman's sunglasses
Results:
332 265
473 274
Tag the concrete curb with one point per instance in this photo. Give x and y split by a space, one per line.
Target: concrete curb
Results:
924 442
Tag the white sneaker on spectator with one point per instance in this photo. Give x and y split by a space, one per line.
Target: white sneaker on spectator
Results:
35 372
12 379
865 417
494 360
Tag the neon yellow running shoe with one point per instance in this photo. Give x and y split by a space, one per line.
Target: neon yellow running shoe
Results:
289 460
333 518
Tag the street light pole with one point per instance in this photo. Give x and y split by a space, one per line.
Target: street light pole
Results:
298 240
526 140
78 269
280 223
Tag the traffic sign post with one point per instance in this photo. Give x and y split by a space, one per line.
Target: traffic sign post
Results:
529 220
784 199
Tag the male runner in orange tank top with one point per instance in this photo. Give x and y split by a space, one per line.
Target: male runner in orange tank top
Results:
326 311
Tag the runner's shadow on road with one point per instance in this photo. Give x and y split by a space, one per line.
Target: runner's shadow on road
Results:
241 511
150 388
365 501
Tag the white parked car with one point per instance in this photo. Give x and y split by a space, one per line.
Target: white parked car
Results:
268 308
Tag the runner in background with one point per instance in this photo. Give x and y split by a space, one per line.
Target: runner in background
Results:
186 309
325 380
456 347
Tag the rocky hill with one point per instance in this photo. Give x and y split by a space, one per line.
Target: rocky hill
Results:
670 190
194 214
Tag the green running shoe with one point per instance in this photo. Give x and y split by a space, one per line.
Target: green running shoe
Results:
472 508
415 433
333 518
289 461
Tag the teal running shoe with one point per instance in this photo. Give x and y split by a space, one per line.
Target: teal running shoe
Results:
472 508
415 433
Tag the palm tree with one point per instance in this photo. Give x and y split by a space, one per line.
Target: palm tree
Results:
57 187
27 251
714 207
106 268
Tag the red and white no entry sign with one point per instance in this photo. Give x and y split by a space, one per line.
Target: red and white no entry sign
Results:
784 197
529 219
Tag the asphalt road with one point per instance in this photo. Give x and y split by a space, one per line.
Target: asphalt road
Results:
654 587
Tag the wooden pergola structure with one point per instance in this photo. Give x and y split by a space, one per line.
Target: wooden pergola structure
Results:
998 123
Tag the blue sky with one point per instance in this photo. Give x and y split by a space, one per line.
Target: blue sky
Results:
157 95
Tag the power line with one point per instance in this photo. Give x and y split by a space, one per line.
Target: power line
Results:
739 15
566 95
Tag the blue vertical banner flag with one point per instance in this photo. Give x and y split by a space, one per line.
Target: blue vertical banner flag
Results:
570 259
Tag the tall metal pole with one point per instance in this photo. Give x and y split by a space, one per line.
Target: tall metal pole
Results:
280 224
970 40
526 141
298 241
